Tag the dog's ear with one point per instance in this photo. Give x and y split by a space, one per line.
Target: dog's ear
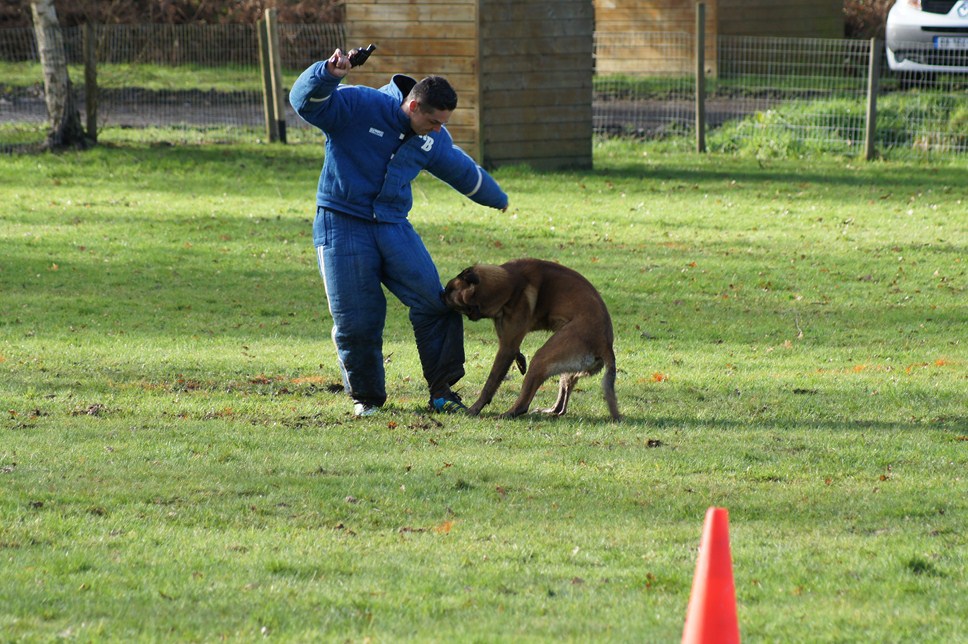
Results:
470 276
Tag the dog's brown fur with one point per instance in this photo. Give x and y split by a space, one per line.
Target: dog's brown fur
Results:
527 295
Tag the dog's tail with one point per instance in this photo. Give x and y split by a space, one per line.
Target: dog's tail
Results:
608 386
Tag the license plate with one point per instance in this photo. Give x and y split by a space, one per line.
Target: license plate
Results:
948 42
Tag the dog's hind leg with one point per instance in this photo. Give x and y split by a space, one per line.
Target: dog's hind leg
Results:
558 356
608 387
565 384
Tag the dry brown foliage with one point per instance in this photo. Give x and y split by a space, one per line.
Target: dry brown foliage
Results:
865 18
16 13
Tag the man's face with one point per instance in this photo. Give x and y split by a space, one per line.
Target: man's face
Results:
426 120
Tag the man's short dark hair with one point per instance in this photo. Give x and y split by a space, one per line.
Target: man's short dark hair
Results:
436 93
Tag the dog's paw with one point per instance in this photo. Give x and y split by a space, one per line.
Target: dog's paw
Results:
552 411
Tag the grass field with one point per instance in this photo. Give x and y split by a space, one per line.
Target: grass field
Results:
175 465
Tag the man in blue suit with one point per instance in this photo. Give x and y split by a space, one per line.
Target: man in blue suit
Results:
377 142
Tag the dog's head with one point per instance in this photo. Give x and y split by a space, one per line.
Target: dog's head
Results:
460 294
480 291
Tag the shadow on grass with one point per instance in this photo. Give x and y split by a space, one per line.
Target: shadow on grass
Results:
298 166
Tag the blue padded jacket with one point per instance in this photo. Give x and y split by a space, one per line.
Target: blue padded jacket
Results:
369 164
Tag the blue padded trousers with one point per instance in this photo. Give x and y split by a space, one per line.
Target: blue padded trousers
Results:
357 257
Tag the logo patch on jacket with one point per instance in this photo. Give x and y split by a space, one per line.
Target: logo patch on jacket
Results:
375 131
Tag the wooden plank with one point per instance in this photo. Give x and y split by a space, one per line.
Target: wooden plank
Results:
576 109
90 80
634 18
410 13
528 46
787 29
388 32
808 18
540 156
528 102
557 163
462 132
533 30
554 96
544 155
512 82
548 11
665 16
268 98
549 149
777 16
511 127
457 48
534 143
422 65
581 64
275 70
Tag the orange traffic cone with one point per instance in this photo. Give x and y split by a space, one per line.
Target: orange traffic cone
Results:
711 617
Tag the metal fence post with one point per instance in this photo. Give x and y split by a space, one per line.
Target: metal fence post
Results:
700 77
873 78
90 81
275 69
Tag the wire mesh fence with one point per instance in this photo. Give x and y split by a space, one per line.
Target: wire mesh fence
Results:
200 83
807 94
643 86
170 83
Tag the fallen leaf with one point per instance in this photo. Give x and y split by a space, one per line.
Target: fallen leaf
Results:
311 380
444 527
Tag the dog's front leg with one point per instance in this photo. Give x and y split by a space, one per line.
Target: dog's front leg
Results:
502 364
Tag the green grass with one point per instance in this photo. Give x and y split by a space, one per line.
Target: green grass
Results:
908 125
230 78
175 466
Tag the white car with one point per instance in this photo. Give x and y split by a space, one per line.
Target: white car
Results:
928 36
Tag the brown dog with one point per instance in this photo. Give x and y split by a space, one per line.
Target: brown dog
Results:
527 295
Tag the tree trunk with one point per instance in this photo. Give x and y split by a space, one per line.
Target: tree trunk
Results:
65 119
